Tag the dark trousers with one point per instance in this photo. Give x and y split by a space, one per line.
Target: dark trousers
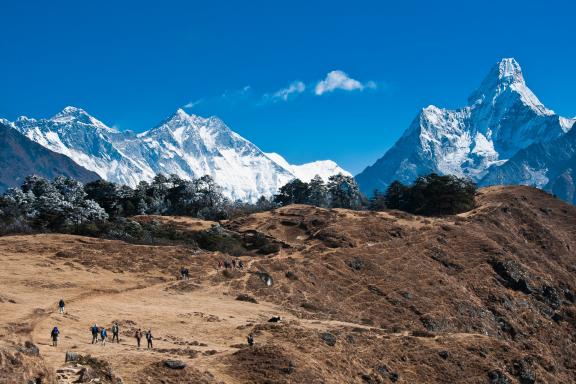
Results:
115 337
149 343
138 341
94 338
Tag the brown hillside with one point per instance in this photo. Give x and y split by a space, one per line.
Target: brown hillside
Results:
483 297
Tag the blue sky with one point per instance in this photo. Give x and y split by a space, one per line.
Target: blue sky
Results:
131 64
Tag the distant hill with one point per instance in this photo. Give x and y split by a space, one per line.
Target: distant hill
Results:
20 157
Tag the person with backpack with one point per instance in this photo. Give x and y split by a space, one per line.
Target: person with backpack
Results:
61 306
149 338
103 335
115 332
54 336
95 330
138 337
250 339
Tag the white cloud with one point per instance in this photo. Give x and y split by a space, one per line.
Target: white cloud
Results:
192 104
340 80
284 94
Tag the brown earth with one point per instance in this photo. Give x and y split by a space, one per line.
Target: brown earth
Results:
483 297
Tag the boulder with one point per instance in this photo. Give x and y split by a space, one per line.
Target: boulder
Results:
512 275
328 338
174 364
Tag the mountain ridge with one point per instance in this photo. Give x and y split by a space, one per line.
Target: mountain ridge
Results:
186 145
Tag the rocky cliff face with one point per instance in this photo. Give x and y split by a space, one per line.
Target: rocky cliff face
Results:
21 157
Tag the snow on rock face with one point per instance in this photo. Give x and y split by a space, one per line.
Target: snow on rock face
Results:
186 145
307 171
503 117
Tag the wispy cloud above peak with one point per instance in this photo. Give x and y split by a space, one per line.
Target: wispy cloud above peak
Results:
284 93
192 104
340 80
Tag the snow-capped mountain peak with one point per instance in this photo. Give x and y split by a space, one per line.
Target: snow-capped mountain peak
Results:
506 81
503 117
307 171
73 115
509 70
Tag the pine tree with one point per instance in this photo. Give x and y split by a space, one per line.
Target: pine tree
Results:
344 192
317 192
293 192
396 195
377 202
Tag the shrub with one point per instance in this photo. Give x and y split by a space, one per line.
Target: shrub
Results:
247 298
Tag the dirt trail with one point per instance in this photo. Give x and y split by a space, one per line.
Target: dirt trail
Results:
199 327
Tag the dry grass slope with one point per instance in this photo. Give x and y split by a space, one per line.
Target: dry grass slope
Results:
483 297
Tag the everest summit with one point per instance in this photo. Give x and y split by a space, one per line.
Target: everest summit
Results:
189 146
503 117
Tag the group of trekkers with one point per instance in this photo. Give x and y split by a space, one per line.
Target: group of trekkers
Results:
231 264
100 334
96 331
103 333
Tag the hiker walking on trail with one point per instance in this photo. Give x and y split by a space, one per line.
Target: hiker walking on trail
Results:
115 332
219 264
103 336
233 264
94 329
138 337
54 336
250 339
149 338
61 306
240 264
